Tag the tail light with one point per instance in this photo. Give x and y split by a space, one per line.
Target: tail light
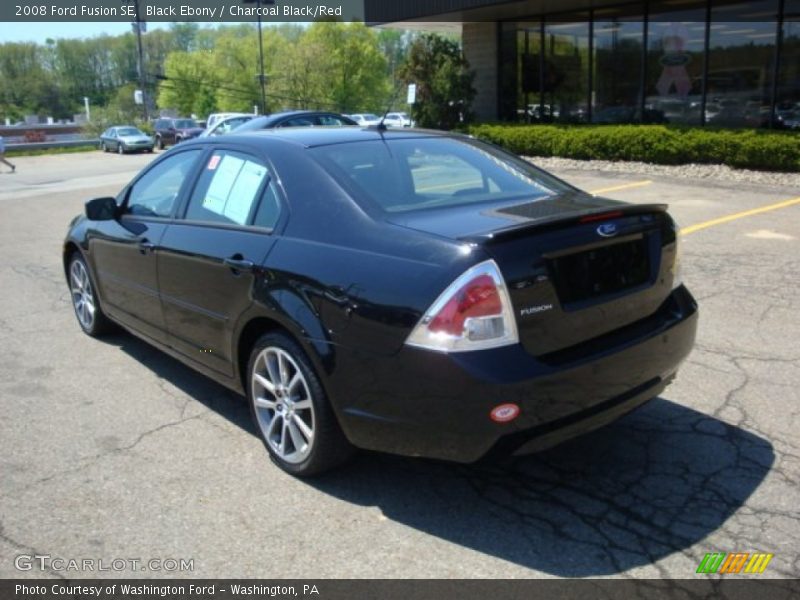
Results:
473 313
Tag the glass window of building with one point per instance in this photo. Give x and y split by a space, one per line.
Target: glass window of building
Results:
566 70
521 52
787 108
675 61
618 45
741 64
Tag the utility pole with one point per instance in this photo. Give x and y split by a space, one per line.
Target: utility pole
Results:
138 27
261 76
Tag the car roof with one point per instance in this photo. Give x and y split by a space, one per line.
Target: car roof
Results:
311 137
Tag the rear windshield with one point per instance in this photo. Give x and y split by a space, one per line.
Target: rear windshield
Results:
402 175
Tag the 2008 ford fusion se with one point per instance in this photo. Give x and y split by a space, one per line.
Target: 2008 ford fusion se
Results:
410 292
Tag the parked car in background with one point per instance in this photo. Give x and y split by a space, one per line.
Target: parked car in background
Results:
397 119
175 131
226 125
297 118
125 138
791 120
215 118
365 119
410 292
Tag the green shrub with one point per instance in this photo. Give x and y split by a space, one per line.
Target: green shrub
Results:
659 144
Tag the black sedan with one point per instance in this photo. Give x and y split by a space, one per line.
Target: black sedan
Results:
296 118
125 139
403 291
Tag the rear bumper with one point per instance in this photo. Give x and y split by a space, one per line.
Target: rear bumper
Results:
422 403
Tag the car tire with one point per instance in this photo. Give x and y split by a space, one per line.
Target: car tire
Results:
290 410
120 149
159 143
85 303
103 147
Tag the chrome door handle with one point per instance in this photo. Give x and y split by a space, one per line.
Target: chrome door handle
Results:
239 264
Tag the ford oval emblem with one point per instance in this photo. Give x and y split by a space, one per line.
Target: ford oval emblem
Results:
607 230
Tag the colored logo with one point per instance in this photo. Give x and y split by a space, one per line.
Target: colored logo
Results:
607 230
734 563
504 413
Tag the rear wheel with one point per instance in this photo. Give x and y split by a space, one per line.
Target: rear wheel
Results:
290 410
87 307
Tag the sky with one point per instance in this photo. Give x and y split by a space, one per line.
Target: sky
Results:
39 32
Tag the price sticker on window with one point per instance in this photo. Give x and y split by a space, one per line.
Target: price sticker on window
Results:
212 164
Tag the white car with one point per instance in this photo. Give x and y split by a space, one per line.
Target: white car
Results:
226 125
365 119
397 119
215 118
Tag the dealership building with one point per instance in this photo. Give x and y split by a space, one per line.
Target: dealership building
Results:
706 62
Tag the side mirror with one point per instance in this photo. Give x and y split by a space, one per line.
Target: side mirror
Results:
102 209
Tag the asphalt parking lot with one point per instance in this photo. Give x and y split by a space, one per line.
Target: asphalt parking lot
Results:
111 450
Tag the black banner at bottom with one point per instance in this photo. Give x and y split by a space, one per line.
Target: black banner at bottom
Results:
398 589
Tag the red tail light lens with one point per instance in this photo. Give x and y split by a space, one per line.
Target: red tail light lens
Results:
478 298
473 313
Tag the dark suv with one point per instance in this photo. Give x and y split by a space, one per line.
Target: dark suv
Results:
174 131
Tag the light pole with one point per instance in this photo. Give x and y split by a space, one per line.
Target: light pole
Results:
261 77
138 27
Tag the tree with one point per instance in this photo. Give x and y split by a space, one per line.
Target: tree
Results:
444 82
350 67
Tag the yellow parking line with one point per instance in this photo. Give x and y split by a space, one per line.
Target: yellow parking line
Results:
739 215
626 186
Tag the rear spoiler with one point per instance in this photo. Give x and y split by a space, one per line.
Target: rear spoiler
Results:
596 214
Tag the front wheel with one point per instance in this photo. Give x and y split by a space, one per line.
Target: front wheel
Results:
103 147
87 308
121 149
160 143
290 410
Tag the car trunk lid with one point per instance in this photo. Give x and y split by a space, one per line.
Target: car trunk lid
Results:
577 267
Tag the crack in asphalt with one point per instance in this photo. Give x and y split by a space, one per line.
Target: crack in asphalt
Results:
28 549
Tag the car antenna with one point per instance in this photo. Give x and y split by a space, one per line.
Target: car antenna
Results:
382 126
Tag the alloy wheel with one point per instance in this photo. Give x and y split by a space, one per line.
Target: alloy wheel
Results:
283 405
82 296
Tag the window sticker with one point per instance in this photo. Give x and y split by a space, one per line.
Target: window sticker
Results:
212 164
243 194
221 184
233 188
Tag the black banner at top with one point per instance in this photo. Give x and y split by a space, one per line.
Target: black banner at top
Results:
207 11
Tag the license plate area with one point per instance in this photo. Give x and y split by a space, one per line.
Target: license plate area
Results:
601 271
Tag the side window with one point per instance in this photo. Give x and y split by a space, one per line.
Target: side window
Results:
155 193
228 189
269 209
329 120
298 122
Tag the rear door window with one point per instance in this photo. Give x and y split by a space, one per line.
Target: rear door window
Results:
229 189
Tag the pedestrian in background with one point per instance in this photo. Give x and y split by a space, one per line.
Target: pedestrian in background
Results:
3 155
